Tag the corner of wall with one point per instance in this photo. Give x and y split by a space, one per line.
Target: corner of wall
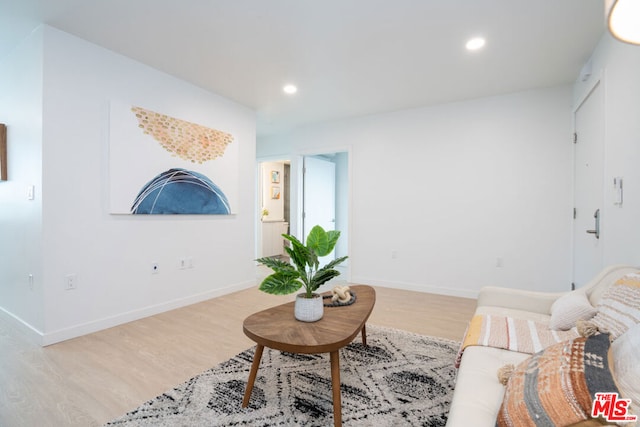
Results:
21 82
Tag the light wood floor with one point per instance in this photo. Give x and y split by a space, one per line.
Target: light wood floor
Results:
90 380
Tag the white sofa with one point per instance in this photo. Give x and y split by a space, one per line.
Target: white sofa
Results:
478 393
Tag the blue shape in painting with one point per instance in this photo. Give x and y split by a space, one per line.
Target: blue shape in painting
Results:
179 191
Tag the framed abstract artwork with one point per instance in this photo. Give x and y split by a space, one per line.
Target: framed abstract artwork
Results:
275 192
159 164
275 177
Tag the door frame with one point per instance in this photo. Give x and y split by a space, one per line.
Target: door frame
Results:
598 80
297 189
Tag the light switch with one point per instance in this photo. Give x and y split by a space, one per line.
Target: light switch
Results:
31 192
617 190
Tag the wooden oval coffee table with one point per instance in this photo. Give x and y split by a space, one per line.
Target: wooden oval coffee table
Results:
277 328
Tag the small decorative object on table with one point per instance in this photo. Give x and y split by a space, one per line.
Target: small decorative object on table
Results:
305 271
340 296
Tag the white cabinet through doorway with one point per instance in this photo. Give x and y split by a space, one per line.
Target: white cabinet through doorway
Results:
272 240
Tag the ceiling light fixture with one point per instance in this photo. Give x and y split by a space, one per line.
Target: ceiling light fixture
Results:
624 20
290 89
475 43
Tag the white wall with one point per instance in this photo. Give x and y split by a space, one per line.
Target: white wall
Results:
618 66
451 188
21 219
112 254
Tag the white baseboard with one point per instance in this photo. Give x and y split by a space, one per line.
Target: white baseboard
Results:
32 334
45 339
121 318
463 293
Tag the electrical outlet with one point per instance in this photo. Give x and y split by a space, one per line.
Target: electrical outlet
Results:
185 263
71 282
499 262
394 254
155 268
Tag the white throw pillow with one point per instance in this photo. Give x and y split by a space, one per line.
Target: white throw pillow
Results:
619 307
626 366
570 308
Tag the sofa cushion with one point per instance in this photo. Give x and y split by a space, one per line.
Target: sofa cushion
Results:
603 281
478 394
626 368
619 308
570 308
514 313
512 333
557 385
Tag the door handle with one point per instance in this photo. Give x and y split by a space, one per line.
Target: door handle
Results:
596 215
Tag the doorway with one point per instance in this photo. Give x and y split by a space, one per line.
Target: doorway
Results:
274 191
289 210
325 198
588 186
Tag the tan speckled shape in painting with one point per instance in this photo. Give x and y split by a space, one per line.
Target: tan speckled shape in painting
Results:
186 140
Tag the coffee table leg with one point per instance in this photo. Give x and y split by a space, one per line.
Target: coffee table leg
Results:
252 375
364 335
334 356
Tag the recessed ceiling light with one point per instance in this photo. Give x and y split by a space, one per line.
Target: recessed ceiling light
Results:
623 20
475 43
290 89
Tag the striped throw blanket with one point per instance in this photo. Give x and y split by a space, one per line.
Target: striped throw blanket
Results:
524 336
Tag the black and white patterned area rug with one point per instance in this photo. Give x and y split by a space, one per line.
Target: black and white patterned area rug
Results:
399 379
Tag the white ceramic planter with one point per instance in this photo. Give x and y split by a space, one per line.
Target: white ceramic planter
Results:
309 309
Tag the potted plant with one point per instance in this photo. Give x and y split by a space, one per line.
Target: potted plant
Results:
304 271
264 212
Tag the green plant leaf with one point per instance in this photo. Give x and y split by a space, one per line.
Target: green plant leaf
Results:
332 237
276 264
292 239
335 262
280 284
322 277
299 254
313 260
318 241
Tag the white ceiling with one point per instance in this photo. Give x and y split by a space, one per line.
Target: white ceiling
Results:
348 57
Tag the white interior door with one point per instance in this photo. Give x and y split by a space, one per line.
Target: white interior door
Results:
589 187
319 196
